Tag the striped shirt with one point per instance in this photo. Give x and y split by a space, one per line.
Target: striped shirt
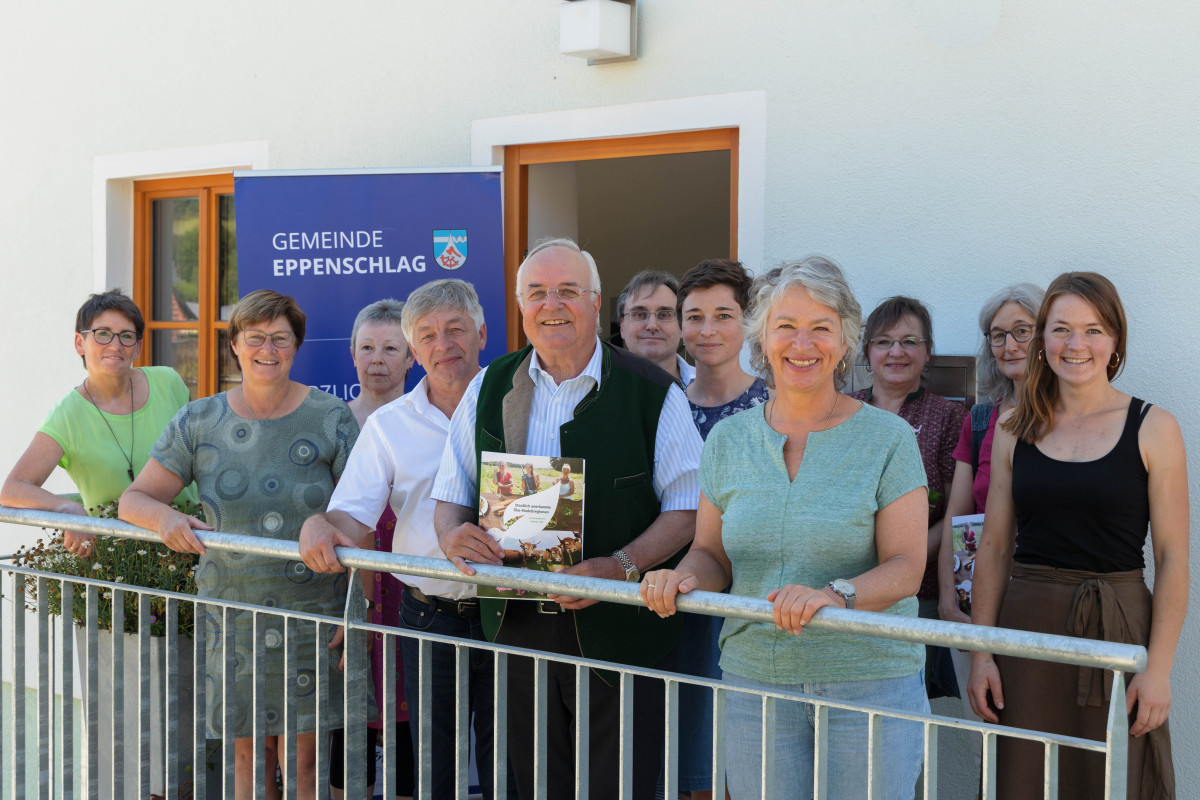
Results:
676 445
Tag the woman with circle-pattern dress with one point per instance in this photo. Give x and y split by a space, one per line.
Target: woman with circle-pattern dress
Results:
265 456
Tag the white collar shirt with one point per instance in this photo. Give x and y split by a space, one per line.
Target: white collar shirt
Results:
687 373
395 461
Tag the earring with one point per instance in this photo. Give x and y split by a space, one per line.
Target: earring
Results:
841 367
761 364
1042 355
1113 364
868 366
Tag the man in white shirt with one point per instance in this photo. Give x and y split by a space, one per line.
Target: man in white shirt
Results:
395 461
650 324
571 395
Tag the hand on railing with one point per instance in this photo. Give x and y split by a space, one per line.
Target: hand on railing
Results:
606 567
660 587
318 538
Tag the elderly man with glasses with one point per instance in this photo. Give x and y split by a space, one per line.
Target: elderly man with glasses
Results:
568 394
650 324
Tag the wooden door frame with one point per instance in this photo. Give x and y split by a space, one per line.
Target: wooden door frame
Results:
518 158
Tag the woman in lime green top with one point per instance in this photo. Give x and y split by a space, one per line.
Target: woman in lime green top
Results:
102 431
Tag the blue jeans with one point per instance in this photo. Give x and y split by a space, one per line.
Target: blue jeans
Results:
902 746
418 616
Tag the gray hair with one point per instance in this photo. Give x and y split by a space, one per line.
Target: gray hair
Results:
992 382
822 278
387 311
447 294
647 279
569 244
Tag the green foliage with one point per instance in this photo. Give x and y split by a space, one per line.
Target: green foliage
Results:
137 563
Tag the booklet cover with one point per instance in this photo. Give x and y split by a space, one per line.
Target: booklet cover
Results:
533 506
966 531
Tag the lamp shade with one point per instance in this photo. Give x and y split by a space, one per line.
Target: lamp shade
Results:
594 28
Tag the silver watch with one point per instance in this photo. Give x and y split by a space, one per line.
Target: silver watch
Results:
844 589
631 572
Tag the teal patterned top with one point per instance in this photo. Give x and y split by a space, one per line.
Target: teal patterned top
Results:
808 531
264 478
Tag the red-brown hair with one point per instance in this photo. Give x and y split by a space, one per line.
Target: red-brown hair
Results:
1034 415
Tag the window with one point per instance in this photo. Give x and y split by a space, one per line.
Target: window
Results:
185 277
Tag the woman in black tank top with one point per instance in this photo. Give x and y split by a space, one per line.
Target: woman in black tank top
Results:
1079 472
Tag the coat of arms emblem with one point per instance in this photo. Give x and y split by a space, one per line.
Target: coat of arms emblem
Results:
450 248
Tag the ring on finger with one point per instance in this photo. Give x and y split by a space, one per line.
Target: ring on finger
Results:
650 585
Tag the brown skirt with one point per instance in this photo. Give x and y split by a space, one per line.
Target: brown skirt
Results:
1070 700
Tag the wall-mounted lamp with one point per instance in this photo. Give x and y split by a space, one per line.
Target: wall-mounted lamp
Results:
602 31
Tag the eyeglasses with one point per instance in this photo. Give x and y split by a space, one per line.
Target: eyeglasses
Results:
104 336
567 294
641 314
1021 333
257 339
908 342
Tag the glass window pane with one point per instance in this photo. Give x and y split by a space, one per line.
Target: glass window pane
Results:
181 350
229 374
227 273
175 259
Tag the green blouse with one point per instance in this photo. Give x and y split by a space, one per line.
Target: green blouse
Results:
808 531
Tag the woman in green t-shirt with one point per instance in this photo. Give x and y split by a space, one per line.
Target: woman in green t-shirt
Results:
813 499
102 431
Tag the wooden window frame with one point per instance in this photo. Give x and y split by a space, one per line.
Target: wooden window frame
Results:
517 159
209 188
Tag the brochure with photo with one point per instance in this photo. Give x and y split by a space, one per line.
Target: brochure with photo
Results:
966 531
533 506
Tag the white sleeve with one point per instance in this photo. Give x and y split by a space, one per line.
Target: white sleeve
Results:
458 477
677 454
366 483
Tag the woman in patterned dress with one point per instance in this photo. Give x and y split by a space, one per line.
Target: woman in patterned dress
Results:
264 456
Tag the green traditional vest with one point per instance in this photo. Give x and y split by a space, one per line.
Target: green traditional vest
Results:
613 429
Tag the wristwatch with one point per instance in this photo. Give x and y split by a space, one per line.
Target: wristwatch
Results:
631 572
845 589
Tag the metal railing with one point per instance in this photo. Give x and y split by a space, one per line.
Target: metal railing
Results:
56 769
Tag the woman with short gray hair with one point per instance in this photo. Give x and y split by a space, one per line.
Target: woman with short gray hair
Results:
815 500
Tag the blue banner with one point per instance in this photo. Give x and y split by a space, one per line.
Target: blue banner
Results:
337 241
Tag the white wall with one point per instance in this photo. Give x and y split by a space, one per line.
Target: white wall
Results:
933 147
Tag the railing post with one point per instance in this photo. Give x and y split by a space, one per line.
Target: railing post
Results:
143 695
387 779
199 700
671 767
1116 740
91 677
45 697
290 665
583 731
17 751
118 693
66 673
172 734
500 726
931 760
357 667
462 719
626 718
718 743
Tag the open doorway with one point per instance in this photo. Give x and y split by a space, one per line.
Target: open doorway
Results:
654 202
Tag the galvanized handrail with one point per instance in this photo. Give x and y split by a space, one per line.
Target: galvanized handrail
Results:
1003 641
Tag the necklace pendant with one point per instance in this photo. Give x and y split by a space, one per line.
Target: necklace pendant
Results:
129 472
